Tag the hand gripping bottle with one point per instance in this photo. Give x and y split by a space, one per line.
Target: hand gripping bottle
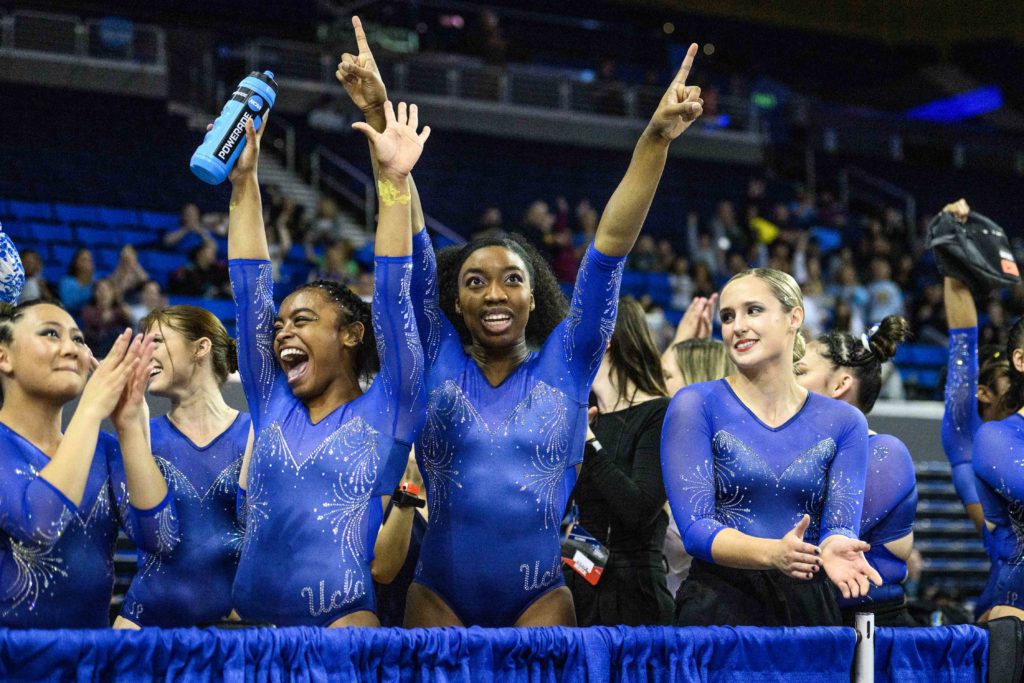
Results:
214 159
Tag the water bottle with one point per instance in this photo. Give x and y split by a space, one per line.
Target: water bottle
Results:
214 159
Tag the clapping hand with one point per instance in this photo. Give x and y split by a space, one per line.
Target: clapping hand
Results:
844 561
681 104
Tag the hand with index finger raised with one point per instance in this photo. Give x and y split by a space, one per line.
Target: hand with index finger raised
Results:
681 104
359 75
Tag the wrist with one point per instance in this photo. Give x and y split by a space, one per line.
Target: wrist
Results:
655 135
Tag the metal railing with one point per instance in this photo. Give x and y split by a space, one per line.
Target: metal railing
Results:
856 182
463 78
112 40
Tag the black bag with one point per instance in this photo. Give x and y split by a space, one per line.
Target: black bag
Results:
1005 650
976 252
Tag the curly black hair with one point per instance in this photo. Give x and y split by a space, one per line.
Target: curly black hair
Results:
353 309
551 306
845 351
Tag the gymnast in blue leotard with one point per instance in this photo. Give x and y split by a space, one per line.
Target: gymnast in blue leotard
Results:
508 373
325 452
765 479
999 466
841 366
64 495
198 446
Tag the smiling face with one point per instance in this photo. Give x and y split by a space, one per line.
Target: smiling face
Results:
46 355
174 361
495 297
314 341
755 326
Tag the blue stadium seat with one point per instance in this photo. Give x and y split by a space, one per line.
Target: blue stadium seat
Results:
54 233
106 258
61 255
160 264
77 213
159 221
31 210
19 231
119 217
137 237
95 237
224 309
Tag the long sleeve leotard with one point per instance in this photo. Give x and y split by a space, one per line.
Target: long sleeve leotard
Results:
56 558
312 503
192 584
890 502
960 420
498 462
999 465
724 468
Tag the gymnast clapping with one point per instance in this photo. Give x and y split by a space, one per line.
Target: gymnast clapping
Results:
841 366
508 376
326 453
199 447
765 479
65 494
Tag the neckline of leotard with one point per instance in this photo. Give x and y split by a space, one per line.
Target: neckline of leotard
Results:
213 441
34 447
798 413
530 356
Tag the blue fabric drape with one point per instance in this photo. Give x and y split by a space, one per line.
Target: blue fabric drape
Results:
436 655
952 654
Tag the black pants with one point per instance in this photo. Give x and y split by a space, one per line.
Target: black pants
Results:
632 592
713 595
887 613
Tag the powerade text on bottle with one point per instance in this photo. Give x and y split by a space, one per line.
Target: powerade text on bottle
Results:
253 98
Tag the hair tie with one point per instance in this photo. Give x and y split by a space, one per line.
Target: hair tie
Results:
865 339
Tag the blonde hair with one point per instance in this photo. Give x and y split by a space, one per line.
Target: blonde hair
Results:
702 360
786 291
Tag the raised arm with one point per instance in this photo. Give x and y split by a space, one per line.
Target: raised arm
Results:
626 210
246 236
361 78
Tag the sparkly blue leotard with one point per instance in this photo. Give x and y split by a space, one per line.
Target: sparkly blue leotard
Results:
313 508
999 465
57 559
724 468
890 501
498 462
192 585
960 420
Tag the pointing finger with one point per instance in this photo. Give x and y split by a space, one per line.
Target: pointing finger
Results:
684 70
364 46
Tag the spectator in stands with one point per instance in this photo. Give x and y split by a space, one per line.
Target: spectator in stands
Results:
203 276
76 287
151 298
608 92
884 295
36 286
930 316
703 282
192 231
489 224
682 283
666 256
489 40
727 232
327 226
644 257
848 290
840 366
619 495
586 221
129 275
701 249
104 317
364 286
336 264
538 227
279 242
744 525
995 330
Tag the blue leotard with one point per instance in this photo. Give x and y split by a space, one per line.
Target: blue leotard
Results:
890 501
960 420
999 465
313 508
56 558
192 585
498 462
724 468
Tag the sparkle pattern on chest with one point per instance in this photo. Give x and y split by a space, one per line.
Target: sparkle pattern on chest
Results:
1015 513
721 489
958 384
543 414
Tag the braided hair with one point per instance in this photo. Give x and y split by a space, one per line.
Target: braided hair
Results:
551 306
352 309
865 360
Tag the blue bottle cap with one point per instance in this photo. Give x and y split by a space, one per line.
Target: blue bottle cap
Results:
269 73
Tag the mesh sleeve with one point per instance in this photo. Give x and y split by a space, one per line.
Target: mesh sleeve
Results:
960 420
